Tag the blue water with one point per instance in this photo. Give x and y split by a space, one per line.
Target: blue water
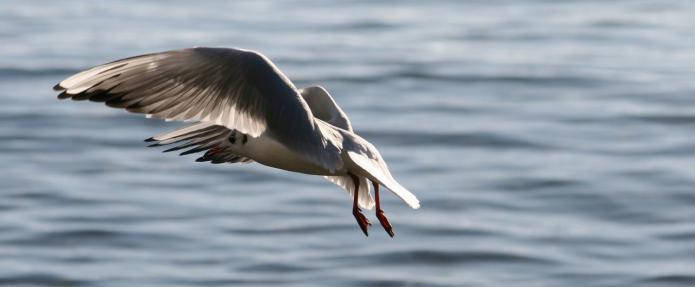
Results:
552 143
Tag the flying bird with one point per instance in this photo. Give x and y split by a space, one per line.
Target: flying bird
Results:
243 109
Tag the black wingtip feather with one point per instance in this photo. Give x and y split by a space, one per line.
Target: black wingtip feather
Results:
150 139
172 149
194 150
58 87
64 95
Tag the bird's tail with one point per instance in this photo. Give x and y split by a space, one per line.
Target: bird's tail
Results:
364 198
378 170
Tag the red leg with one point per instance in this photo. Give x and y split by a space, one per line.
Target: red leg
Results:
380 213
361 219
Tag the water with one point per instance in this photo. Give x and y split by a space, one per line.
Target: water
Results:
550 142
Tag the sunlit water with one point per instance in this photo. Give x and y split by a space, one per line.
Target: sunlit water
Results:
551 144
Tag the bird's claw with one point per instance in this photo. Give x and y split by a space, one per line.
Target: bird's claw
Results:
362 220
385 222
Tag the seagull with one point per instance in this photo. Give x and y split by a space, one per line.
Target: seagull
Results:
243 109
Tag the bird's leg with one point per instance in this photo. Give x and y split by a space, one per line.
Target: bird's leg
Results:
380 213
361 219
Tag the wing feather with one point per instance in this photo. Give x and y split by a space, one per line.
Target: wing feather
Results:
201 137
325 108
239 89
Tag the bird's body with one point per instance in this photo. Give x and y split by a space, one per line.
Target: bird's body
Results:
267 150
245 110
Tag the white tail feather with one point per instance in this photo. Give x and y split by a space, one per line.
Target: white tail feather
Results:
385 178
364 198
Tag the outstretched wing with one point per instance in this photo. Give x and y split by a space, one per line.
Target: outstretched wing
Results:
214 139
239 89
325 108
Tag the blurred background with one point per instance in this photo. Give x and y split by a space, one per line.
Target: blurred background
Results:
550 142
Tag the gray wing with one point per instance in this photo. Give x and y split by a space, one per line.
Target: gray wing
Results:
217 142
239 89
325 108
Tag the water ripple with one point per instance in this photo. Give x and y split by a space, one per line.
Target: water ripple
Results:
447 258
40 279
452 140
671 280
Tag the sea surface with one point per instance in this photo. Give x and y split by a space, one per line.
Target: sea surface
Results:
551 143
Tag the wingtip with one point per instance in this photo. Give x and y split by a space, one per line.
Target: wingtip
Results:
64 95
150 139
171 149
58 87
